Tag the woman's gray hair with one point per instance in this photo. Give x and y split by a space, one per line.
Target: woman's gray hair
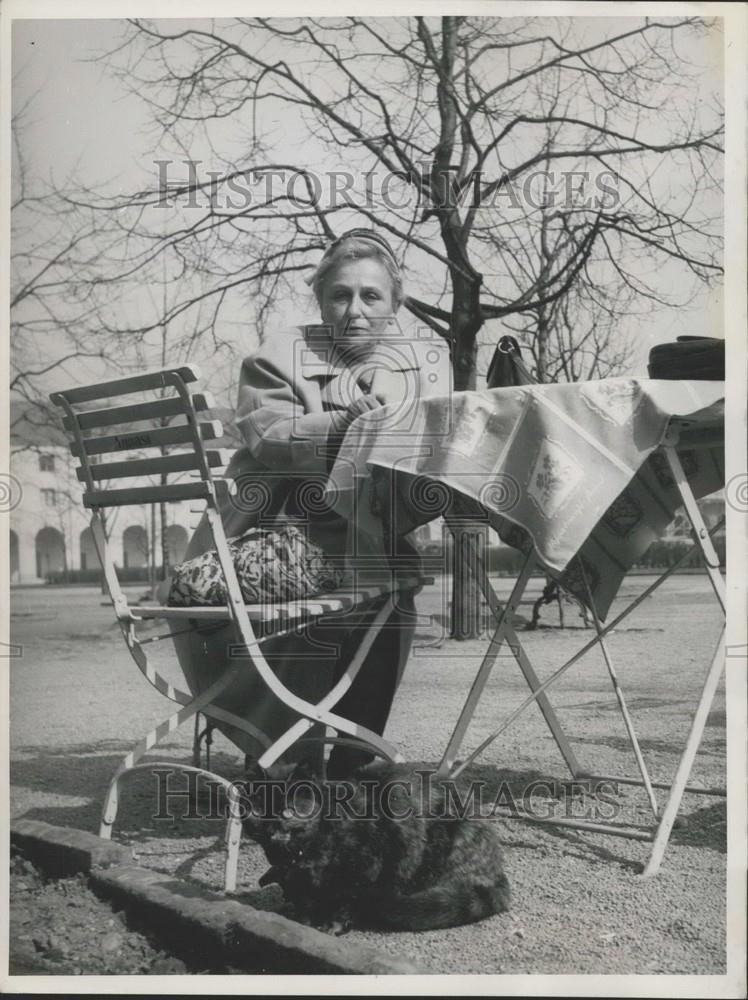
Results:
360 246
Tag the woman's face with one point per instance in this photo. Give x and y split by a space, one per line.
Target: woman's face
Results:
357 301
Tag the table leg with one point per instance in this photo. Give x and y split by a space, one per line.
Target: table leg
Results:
686 762
551 719
701 533
481 678
628 722
533 681
560 671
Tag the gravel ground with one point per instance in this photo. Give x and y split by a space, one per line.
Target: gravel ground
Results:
578 903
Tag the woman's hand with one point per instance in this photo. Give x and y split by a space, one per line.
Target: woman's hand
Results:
362 405
389 386
359 406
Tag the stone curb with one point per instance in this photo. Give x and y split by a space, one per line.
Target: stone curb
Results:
190 918
242 934
62 850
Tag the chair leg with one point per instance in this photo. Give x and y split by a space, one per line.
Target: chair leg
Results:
150 740
164 687
233 832
202 735
110 808
376 743
233 838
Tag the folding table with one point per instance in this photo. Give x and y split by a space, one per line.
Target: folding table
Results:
581 478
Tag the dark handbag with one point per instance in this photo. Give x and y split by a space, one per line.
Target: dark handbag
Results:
507 366
701 358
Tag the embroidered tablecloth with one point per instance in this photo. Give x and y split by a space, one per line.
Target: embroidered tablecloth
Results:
567 469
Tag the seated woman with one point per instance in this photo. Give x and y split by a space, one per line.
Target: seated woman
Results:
297 395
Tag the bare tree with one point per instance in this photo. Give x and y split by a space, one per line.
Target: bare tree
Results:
54 245
581 334
464 114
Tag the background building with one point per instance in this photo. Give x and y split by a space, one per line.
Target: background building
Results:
49 527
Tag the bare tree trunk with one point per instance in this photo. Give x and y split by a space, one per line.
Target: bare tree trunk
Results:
466 596
465 321
102 579
152 555
542 345
164 536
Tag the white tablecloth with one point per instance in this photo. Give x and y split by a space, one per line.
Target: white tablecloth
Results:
568 469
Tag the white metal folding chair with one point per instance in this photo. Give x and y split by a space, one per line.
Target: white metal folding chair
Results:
139 426
681 436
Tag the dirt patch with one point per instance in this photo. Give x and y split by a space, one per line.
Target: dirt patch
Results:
58 927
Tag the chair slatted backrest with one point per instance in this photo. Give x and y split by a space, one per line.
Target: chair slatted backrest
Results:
140 427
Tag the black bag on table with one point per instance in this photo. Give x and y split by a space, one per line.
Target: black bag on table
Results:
507 366
701 358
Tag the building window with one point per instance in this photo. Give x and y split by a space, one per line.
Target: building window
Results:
50 497
47 463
